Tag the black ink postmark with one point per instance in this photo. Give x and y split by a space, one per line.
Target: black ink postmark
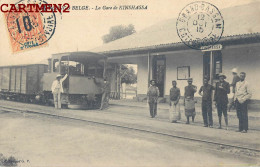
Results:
200 24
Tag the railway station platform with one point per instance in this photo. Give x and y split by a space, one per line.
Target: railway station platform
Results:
252 114
132 116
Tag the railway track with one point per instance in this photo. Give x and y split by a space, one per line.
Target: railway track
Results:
15 110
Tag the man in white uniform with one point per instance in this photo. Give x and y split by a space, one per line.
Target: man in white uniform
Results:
242 95
57 89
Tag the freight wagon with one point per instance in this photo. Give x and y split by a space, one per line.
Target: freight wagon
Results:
21 82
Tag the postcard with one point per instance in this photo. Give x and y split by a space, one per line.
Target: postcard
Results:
129 83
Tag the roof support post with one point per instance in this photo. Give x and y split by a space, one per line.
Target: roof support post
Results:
149 68
211 68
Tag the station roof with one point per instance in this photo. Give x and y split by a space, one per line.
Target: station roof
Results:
239 22
79 56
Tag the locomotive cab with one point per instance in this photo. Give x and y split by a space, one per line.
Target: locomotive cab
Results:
83 86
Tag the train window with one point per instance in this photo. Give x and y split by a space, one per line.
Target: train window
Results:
56 65
72 67
94 69
90 68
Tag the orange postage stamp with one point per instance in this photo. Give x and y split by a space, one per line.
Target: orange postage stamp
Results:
29 29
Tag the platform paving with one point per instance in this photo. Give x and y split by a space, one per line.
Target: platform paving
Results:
252 114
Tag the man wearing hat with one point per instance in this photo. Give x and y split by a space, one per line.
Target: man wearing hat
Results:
221 98
152 97
206 93
236 79
57 89
189 102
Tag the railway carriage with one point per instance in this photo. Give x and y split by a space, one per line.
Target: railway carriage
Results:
82 88
21 82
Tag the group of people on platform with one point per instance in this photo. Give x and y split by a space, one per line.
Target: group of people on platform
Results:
241 95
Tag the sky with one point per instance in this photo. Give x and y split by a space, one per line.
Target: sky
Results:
82 30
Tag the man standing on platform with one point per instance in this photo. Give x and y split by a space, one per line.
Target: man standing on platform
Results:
152 97
105 94
174 103
57 89
242 95
221 98
189 102
206 93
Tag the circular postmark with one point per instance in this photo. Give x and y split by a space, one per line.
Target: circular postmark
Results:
200 24
30 29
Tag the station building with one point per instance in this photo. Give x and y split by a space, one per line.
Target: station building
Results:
160 54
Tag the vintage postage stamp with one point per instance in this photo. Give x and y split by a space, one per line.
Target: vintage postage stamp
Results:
30 29
200 24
